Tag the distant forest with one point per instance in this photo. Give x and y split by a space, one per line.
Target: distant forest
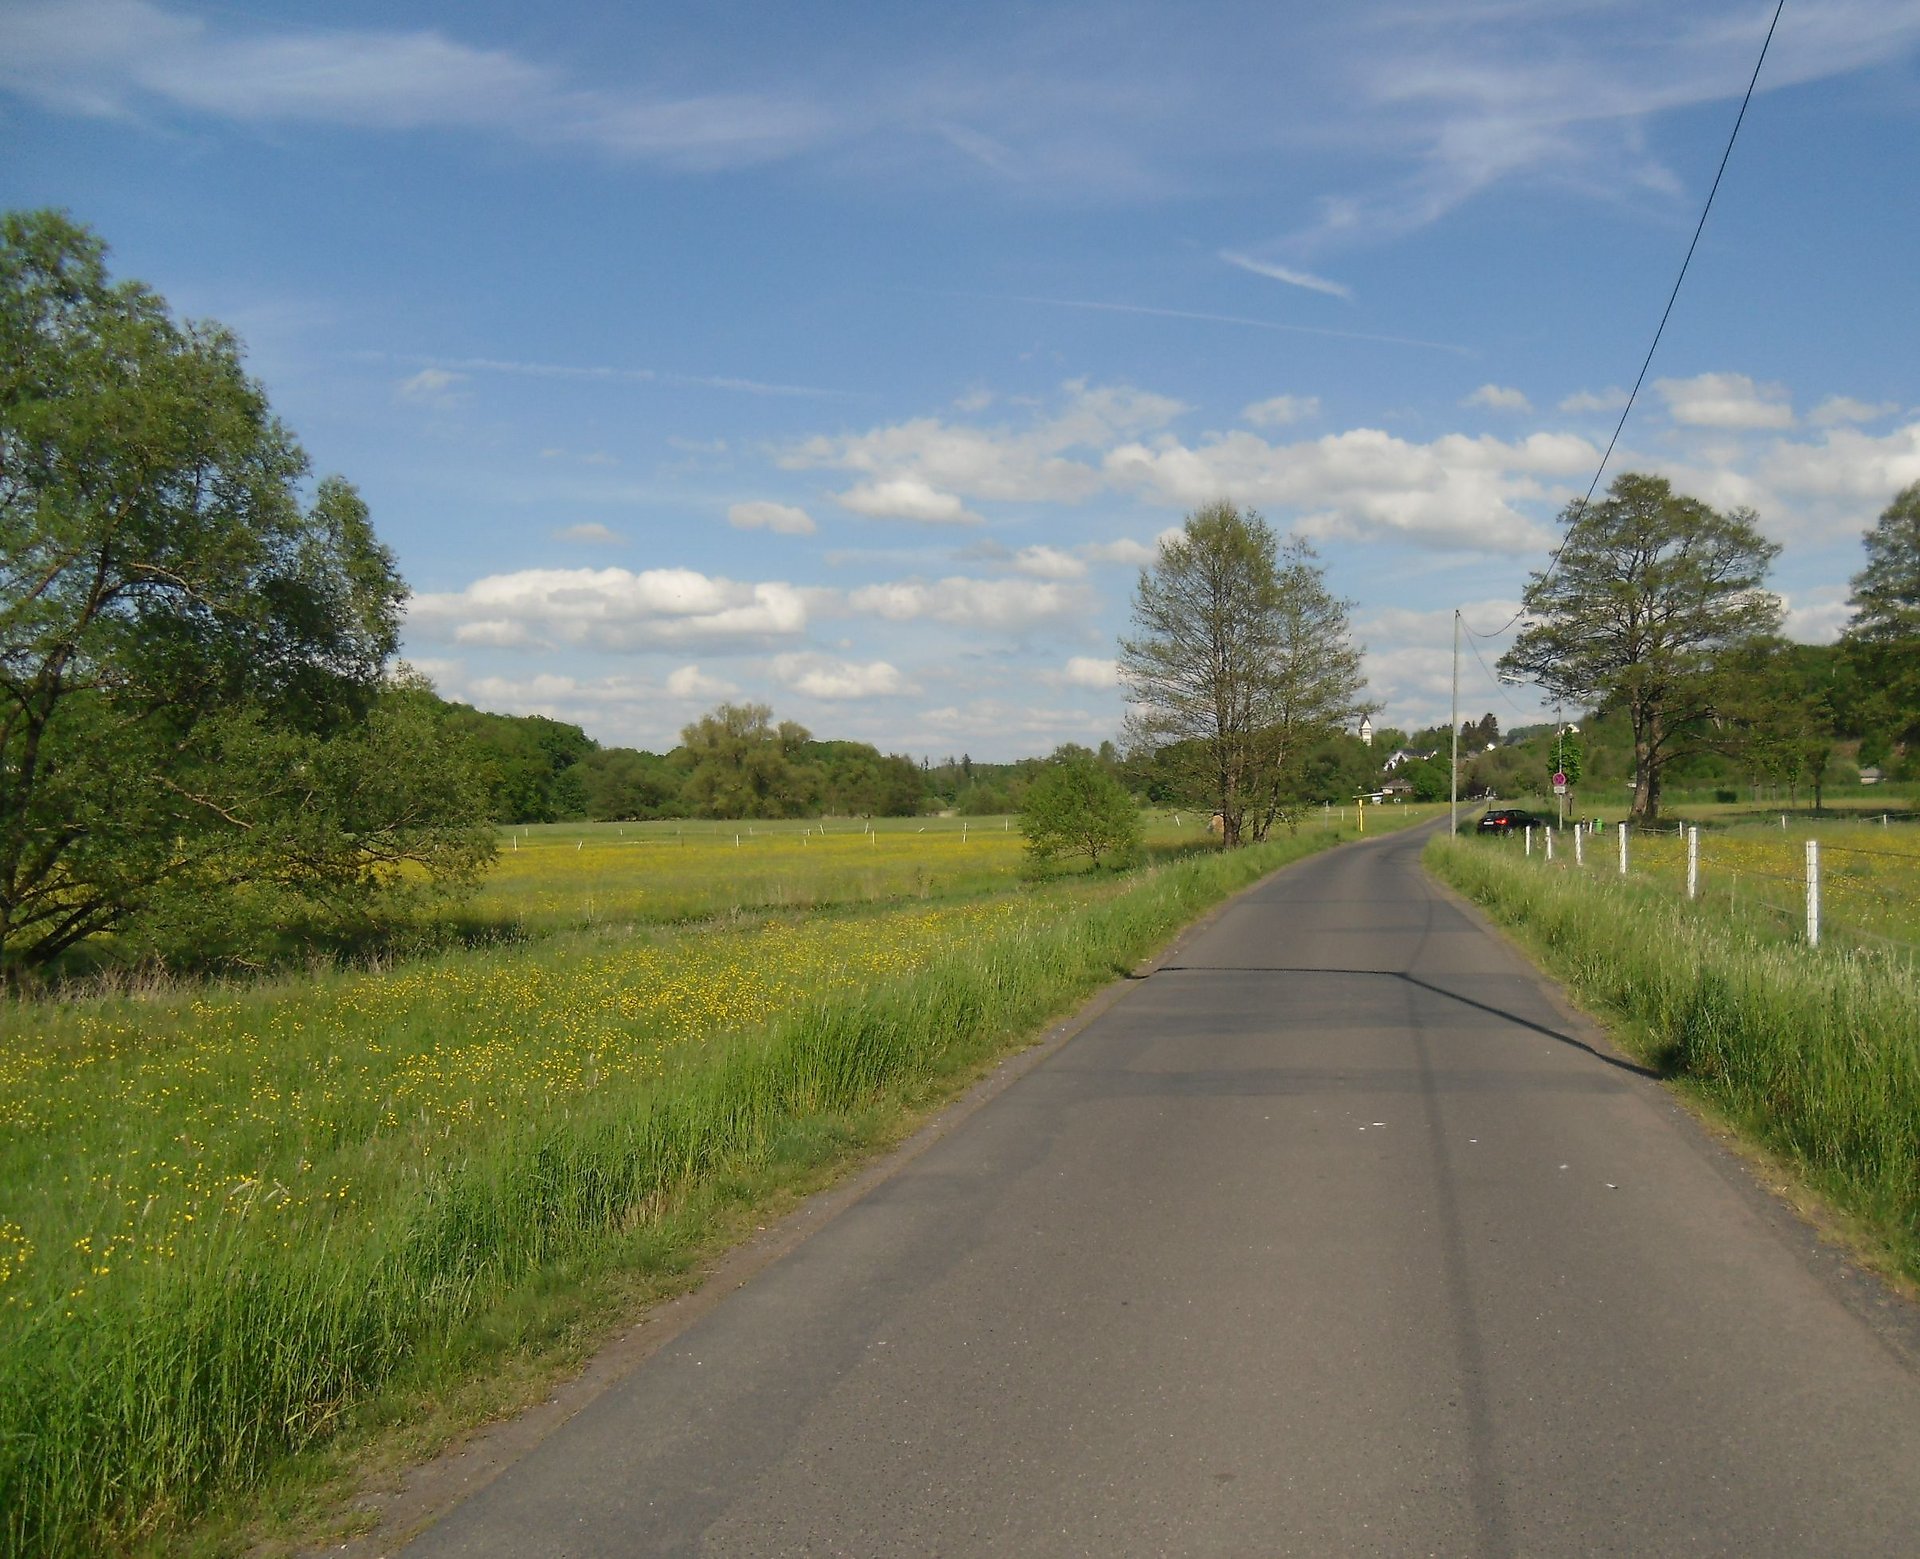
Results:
734 762
738 762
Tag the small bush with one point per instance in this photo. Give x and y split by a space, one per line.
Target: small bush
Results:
1075 807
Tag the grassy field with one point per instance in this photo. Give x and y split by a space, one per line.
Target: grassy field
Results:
232 1215
575 875
1752 864
1812 1053
561 875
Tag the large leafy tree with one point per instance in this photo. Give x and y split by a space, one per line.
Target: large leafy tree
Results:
1651 590
743 765
1241 663
1883 639
193 698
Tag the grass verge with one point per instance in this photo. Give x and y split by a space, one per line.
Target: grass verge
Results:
268 1327
1812 1054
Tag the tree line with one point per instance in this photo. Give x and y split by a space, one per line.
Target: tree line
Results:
735 761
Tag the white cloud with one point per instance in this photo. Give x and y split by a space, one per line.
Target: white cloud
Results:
906 498
1726 401
1048 563
972 603
1497 397
1613 398
621 709
1281 410
1409 665
1454 492
1814 488
822 676
992 720
496 633
782 518
591 534
1845 463
1127 551
1429 105
1283 273
1088 671
122 58
1844 408
924 466
691 682
431 387
614 608
1464 98
1818 616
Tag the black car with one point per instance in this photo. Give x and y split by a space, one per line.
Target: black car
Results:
1508 820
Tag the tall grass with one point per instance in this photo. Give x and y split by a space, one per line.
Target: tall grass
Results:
133 1391
1814 1053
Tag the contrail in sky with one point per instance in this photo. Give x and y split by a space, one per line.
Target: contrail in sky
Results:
1224 319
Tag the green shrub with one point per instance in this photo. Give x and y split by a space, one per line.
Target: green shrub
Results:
1075 807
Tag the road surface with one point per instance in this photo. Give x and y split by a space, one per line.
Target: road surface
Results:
1333 1235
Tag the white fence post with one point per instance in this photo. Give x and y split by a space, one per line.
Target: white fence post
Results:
1529 838
1623 848
1813 893
1693 863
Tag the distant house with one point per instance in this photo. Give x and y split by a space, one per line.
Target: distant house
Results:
1397 790
1872 776
1402 755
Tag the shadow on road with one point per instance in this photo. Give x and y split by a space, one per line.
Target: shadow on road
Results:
1617 1062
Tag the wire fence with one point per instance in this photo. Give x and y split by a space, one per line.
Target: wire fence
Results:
1827 882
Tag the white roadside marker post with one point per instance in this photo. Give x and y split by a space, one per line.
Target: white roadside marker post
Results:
1548 831
1813 893
1579 845
1623 847
1693 863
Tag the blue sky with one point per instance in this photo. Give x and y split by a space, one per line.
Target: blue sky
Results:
851 358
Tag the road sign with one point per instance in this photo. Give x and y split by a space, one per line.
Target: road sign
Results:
1559 783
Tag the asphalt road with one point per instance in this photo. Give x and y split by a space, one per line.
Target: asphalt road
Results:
1334 1235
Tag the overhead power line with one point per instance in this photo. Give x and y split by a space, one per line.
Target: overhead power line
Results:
1699 227
1499 686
